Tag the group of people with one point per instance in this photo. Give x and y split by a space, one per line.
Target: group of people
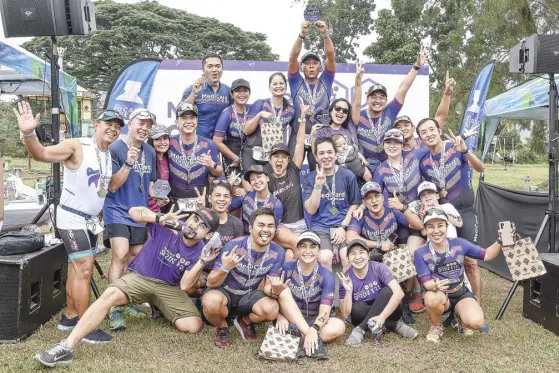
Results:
235 168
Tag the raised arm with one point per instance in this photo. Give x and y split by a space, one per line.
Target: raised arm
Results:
299 153
356 105
293 64
330 62
442 111
313 202
408 80
120 177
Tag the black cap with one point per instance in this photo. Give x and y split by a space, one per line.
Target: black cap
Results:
279 148
210 218
308 55
240 83
376 88
357 242
184 106
108 115
254 168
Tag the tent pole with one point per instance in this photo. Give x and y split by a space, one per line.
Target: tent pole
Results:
552 162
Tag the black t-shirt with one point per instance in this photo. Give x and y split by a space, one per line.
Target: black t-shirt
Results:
288 190
233 228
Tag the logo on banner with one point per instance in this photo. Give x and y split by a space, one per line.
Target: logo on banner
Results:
339 91
474 107
131 92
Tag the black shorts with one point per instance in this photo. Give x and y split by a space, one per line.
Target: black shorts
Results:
458 295
239 305
134 235
417 233
79 243
403 234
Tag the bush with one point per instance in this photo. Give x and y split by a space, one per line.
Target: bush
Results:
525 156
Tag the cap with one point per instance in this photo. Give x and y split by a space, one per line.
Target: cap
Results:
210 218
254 168
377 88
184 106
370 186
159 130
238 83
426 185
108 115
402 118
142 113
394 134
278 148
308 55
357 242
434 213
309 235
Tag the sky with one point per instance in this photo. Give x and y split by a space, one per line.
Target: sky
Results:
281 22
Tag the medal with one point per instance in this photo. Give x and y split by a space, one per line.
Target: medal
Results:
332 192
334 210
102 192
443 192
401 197
312 13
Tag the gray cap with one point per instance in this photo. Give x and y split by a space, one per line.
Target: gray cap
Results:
370 186
184 106
240 83
376 88
158 130
308 55
394 134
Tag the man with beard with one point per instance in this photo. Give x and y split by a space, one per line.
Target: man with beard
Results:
166 268
209 94
331 194
87 171
315 90
241 268
447 166
378 117
134 172
193 158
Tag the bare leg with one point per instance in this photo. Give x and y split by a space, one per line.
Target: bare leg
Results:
291 311
286 239
119 247
266 309
325 257
472 271
344 259
214 305
470 313
95 314
81 293
134 250
435 304
333 330
71 310
191 324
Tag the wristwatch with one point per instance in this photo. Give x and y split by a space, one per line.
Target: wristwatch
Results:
128 165
404 208
416 68
466 152
316 327
343 226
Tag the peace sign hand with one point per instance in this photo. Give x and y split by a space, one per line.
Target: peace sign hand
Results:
421 57
345 281
230 260
171 216
320 178
25 119
201 199
304 108
359 71
471 132
459 144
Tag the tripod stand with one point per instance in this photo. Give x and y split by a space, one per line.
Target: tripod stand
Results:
551 214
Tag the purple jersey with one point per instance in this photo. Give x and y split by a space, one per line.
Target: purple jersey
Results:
446 267
366 290
346 194
242 279
285 118
409 178
455 172
210 105
230 126
249 203
378 229
317 96
349 134
321 291
371 135
165 256
186 172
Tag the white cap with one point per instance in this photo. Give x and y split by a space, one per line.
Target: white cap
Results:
426 185
309 235
435 213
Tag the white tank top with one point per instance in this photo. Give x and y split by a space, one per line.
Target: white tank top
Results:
81 186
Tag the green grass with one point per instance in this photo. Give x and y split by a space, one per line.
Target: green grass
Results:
514 344
513 178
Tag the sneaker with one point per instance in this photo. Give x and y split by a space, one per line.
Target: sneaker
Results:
465 331
319 351
416 304
435 334
407 316
484 329
403 330
222 339
98 336
447 319
246 329
133 310
155 314
67 324
116 319
58 355
355 339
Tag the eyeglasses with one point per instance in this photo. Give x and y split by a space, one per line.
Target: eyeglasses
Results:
342 109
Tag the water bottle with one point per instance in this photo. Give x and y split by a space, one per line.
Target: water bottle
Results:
376 330
527 183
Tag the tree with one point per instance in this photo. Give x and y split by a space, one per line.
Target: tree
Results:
348 19
126 32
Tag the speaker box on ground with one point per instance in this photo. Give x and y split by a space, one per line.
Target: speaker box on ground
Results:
32 290
541 295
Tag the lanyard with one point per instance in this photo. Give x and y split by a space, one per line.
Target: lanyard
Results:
188 159
104 175
312 96
434 253
240 123
306 291
439 170
332 191
251 263
399 176
264 204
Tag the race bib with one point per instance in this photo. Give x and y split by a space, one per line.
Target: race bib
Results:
187 204
259 154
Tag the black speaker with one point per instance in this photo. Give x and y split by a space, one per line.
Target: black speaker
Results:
541 295
536 54
32 291
47 17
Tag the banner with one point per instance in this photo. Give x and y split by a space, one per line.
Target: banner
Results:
476 103
167 80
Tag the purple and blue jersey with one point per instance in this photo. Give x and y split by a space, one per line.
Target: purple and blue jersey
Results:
286 116
443 266
321 291
210 105
367 290
388 181
249 203
380 229
230 126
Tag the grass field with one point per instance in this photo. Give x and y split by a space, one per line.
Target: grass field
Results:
514 344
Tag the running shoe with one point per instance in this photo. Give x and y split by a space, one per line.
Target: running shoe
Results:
400 328
66 324
155 314
58 355
222 339
98 336
467 332
355 339
407 316
246 329
416 304
116 319
133 310
484 329
320 351
435 334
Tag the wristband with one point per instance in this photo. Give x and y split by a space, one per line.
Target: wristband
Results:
344 227
316 187
203 262
157 217
404 208
499 242
30 134
128 165
302 38
325 35
224 269
215 165
416 68
466 152
316 327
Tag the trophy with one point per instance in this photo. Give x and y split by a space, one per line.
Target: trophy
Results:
161 189
312 13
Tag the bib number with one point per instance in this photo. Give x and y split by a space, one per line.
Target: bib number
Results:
259 154
187 204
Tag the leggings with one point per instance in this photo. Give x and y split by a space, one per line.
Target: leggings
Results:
362 312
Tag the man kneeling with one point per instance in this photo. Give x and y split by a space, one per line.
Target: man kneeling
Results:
165 269
238 274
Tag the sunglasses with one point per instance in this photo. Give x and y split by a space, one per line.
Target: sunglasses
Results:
221 182
342 109
109 114
435 211
145 113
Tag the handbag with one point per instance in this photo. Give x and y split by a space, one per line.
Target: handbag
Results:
279 347
523 259
400 263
